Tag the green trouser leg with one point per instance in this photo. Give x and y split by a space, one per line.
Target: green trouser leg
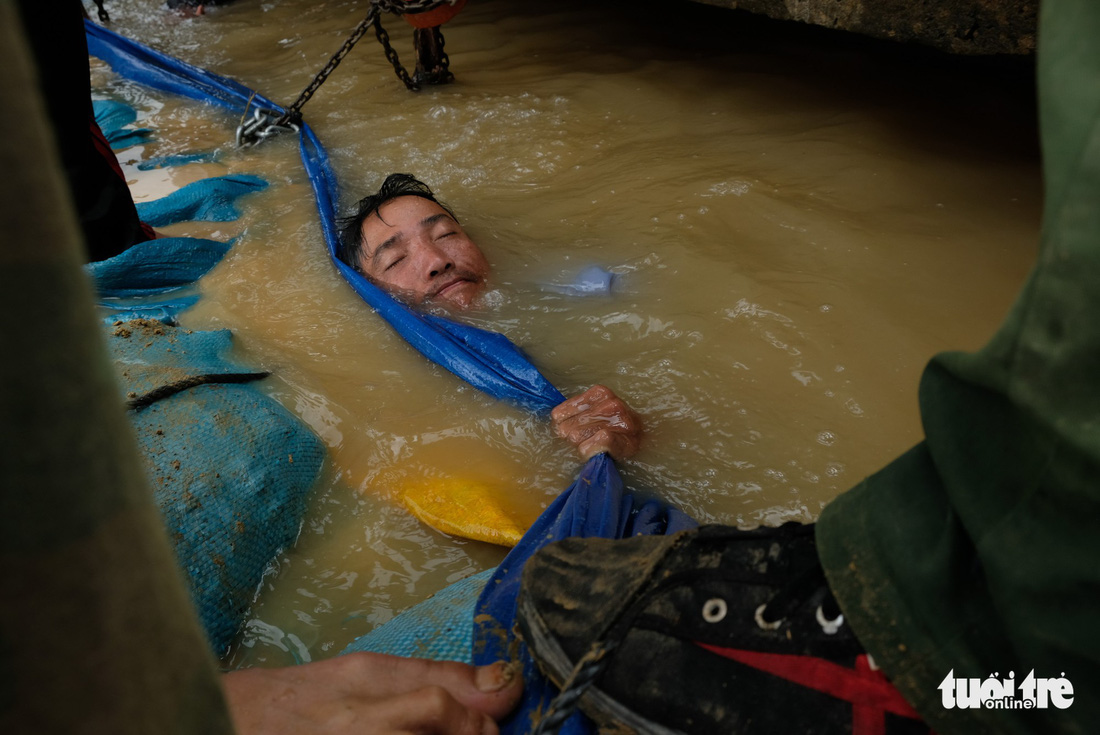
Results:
96 629
978 551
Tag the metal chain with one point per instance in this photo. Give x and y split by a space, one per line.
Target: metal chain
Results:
103 16
402 74
265 123
440 72
444 60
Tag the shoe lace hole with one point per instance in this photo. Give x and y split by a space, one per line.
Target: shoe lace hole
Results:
714 610
766 624
830 627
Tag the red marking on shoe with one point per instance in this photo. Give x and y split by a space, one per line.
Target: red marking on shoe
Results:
870 692
867 719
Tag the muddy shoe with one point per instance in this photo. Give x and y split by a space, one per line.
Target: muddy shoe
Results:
715 630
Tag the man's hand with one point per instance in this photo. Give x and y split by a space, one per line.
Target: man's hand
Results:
598 421
372 694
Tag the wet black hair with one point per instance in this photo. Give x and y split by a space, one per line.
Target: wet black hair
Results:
351 227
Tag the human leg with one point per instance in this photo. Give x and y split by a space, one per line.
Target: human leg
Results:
96 185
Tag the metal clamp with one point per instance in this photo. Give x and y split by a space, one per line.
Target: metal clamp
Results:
262 125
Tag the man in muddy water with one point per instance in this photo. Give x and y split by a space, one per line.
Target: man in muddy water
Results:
412 246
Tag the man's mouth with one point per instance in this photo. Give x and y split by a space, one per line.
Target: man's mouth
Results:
450 286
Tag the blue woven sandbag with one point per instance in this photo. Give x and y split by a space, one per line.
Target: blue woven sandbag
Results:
438 628
230 468
209 200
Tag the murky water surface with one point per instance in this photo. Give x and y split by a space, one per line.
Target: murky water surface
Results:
798 221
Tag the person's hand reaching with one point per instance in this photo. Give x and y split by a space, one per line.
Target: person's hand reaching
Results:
599 421
372 694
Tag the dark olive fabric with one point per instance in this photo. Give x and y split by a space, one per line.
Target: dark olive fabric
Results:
96 631
978 551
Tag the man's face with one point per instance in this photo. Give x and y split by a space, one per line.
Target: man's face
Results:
413 248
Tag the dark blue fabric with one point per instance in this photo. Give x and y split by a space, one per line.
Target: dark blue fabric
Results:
209 200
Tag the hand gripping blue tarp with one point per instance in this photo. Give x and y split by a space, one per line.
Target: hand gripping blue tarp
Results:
594 505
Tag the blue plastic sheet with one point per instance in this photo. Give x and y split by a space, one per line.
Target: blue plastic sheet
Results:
593 506
112 117
151 280
156 266
486 360
209 200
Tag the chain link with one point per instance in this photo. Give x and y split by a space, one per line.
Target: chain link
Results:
104 17
266 123
391 54
444 60
433 66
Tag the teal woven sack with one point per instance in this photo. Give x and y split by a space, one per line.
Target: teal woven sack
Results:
230 468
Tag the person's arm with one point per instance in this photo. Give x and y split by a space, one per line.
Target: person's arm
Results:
599 421
371 694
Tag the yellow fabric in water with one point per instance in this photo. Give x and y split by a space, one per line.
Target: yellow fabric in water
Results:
468 508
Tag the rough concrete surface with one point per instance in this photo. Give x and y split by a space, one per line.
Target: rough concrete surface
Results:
957 26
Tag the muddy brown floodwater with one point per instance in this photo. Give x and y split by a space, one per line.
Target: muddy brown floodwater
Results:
798 221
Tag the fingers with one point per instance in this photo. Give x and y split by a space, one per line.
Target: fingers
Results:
599 421
618 445
493 690
431 710
611 416
372 694
582 403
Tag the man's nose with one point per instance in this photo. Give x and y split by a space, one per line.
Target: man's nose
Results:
436 261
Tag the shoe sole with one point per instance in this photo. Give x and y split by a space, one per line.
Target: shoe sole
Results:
555 664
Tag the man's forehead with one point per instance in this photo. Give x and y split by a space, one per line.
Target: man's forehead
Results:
389 222
402 209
